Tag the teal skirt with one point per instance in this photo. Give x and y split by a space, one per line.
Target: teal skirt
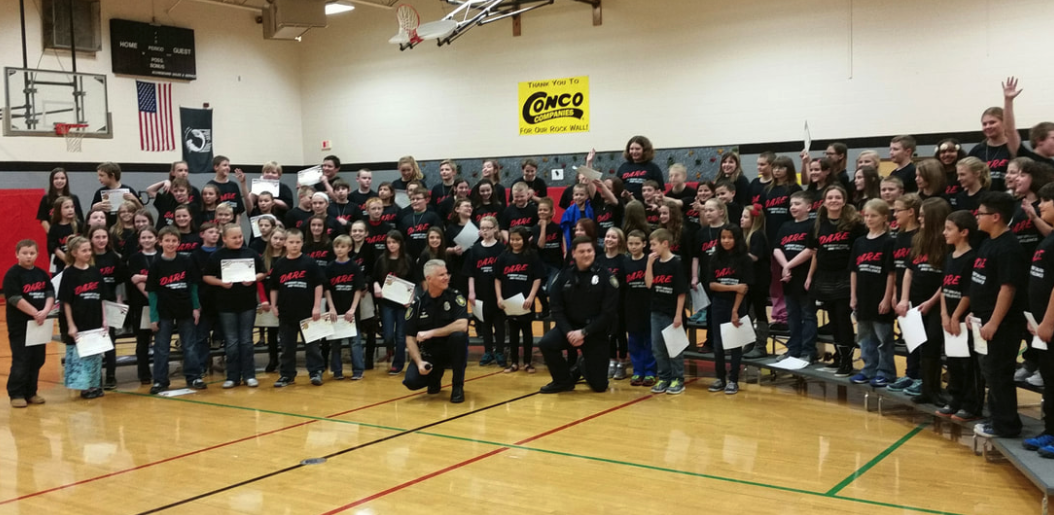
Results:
82 373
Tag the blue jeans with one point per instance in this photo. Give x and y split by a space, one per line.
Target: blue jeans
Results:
358 357
394 320
876 349
163 342
670 367
640 353
801 320
238 331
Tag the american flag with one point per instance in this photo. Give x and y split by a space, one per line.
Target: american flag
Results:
155 117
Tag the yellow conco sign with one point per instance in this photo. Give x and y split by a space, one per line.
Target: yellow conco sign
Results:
554 106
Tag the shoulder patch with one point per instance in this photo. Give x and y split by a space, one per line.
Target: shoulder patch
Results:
613 281
409 313
460 301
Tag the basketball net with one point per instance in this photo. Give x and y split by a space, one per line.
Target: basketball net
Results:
409 20
73 133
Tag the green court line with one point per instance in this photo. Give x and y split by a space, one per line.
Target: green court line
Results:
874 461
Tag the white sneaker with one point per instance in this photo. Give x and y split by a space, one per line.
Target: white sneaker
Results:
1022 374
229 384
1035 380
252 383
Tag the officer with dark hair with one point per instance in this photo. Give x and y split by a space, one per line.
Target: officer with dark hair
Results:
584 304
437 334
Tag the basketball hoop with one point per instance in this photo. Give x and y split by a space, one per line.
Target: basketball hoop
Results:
409 20
73 133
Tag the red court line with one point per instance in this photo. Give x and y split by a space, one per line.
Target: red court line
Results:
470 461
214 447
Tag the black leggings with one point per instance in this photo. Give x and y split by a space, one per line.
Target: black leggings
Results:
619 343
841 323
521 325
492 328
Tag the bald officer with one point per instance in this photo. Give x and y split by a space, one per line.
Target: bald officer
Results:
437 334
584 304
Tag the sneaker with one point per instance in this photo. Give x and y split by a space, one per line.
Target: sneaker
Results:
620 371
316 379
965 416
660 387
229 384
636 380
356 377
499 358
252 382
1047 452
879 382
915 389
555 387
393 371
284 381
860 379
1035 444
338 376
717 386
900 384
611 369
845 371
198 384
158 388
756 353
92 393
36 399
985 430
1035 380
110 384
676 387
706 349
649 381
19 403
487 359
946 411
1022 374
732 388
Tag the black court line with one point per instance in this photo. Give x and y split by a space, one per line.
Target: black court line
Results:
333 454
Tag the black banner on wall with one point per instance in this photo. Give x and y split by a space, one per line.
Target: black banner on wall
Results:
196 125
152 50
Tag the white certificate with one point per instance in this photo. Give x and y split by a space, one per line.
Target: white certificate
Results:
477 310
343 329
733 337
589 173
401 198
367 310
144 321
514 305
791 363
265 318
309 176
39 334
90 343
254 222
115 313
913 329
700 300
468 236
957 346
676 340
808 137
114 197
265 185
1037 343
316 329
399 291
238 270
980 345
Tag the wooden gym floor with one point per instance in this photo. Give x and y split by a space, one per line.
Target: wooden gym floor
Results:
507 449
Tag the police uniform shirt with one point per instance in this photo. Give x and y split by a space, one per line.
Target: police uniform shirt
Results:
427 313
586 299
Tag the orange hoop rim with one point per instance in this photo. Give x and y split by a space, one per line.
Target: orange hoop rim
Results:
63 129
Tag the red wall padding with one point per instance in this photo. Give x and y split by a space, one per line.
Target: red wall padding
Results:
19 219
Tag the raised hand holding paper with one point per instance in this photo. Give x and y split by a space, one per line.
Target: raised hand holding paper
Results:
589 173
265 185
309 176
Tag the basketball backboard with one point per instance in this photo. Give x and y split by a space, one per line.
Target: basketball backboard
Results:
37 100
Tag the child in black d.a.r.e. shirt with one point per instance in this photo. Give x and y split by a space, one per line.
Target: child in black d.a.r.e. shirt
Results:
965 385
296 294
81 294
519 272
872 284
793 256
638 319
480 269
730 276
29 296
666 277
172 290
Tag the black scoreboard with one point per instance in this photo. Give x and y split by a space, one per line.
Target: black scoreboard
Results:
152 50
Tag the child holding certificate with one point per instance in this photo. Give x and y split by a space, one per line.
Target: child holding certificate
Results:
730 276
345 282
29 296
233 271
81 294
296 294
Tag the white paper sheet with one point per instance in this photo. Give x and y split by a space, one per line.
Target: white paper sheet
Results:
39 334
980 345
265 185
589 173
254 223
477 310
314 330
401 198
144 321
343 329
733 337
237 270
90 343
676 340
791 363
309 176
177 393
700 300
399 291
115 197
957 346
912 329
808 137
115 313
514 305
367 310
467 237
265 319
1037 343
56 281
